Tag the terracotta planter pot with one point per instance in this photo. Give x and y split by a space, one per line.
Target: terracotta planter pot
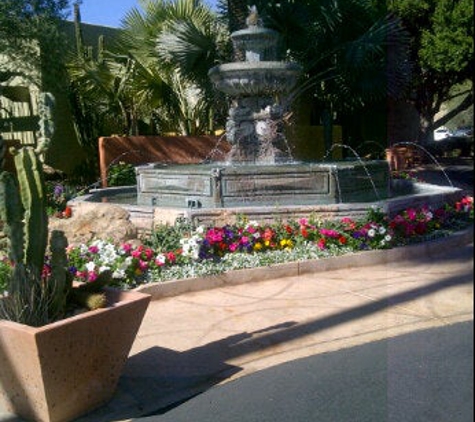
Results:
62 370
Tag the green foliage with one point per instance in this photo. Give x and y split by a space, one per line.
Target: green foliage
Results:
447 45
5 274
167 237
25 25
442 54
121 174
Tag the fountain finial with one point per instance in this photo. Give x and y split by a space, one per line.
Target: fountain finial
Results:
253 19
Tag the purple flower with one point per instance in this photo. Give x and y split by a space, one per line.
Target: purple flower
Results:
58 190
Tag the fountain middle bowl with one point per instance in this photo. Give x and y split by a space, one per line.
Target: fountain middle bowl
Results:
255 78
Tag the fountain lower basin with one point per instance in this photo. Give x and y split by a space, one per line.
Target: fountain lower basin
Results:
212 186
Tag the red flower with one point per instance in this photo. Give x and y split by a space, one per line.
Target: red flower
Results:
67 213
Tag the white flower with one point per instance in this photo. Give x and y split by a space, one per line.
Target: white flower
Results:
190 247
90 266
160 259
118 273
200 229
103 268
382 230
371 232
387 238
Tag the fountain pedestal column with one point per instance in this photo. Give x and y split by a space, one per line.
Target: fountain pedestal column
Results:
255 130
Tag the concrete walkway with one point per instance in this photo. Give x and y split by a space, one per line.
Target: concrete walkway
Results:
193 341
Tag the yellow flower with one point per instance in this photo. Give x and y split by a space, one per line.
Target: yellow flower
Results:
286 244
258 246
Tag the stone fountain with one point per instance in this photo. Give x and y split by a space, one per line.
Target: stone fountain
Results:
259 171
259 179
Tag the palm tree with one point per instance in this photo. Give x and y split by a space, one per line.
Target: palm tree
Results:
146 78
191 42
237 11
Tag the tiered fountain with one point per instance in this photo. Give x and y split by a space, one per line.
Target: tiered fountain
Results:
259 177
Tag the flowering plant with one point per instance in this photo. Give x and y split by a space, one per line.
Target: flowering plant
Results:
57 197
87 262
183 251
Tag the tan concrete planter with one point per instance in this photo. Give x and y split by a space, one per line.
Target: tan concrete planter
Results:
60 371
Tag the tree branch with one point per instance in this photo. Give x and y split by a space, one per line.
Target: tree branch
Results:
466 103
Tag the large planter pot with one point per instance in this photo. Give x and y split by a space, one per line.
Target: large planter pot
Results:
62 370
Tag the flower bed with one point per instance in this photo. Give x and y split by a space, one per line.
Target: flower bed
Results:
182 251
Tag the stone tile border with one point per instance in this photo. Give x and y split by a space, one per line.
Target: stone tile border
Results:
172 288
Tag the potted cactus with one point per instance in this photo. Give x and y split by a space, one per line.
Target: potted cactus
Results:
55 363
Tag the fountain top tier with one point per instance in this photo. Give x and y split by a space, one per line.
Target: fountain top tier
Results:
256 44
259 70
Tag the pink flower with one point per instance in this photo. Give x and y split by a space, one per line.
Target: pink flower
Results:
149 254
321 244
137 252
126 247
329 233
411 214
93 249
244 240
214 235
143 265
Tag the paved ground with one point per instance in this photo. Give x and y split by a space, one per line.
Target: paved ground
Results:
421 376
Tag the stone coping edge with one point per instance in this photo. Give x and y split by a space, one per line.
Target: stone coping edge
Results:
430 248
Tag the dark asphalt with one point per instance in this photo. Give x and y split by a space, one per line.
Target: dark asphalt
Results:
425 376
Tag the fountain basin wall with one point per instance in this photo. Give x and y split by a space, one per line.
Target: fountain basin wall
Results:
145 217
212 186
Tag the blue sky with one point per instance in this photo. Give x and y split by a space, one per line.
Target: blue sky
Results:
109 12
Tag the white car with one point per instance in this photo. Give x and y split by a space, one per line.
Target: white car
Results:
442 133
